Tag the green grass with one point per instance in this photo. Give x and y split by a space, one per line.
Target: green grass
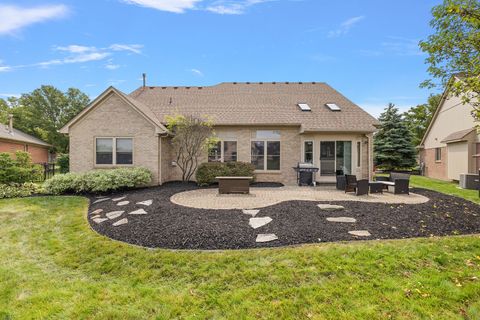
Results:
53 266
446 187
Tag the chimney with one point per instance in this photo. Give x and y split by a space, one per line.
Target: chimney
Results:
144 75
10 123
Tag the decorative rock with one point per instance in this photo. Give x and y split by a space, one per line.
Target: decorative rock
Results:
267 237
342 219
256 223
253 213
114 214
360 233
100 220
120 222
146 203
330 207
123 203
118 199
98 211
101 200
96 217
139 211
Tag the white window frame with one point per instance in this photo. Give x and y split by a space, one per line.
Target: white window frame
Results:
222 151
335 152
439 160
265 141
114 152
313 150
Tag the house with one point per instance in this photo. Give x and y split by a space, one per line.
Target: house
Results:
272 125
451 143
12 140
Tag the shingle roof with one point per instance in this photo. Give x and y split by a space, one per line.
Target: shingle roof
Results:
457 136
259 104
20 136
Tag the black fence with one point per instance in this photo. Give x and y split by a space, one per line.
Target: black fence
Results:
48 170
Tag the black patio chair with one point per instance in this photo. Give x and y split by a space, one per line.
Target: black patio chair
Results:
341 182
350 183
401 186
362 187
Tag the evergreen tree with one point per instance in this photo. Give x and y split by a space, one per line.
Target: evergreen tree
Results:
393 147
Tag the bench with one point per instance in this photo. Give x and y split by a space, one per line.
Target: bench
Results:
228 185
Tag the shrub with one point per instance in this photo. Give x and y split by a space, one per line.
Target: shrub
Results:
15 190
98 181
63 162
207 171
19 169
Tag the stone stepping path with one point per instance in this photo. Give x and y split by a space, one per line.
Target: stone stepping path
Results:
253 213
101 200
256 223
330 207
146 203
98 211
360 233
96 217
100 220
138 212
118 199
114 214
120 222
123 203
342 219
266 237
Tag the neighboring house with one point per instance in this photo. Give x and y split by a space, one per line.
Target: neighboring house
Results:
451 144
272 125
12 140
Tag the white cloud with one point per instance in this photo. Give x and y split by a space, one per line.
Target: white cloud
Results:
14 18
233 7
197 72
111 66
176 6
134 48
402 46
345 27
76 48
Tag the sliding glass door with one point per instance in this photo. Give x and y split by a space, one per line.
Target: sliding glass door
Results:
335 156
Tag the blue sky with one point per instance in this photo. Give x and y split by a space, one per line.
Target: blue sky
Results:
365 49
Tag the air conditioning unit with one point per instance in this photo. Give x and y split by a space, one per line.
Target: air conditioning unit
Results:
469 181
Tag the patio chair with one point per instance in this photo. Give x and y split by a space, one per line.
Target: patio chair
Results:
341 182
350 183
401 186
362 187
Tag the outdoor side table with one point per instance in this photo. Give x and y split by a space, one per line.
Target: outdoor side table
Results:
376 187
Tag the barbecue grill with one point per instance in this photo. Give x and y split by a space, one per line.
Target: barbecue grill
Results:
305 173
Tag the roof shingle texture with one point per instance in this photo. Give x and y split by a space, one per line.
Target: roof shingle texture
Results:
457 136
20 136
259 104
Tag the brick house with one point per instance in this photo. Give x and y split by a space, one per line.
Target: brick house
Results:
12 140
451 144
272 125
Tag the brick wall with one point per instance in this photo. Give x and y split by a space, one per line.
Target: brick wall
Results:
38 154
434 169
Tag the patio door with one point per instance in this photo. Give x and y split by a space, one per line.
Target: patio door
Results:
335 155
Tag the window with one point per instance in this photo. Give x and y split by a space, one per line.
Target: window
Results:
304 107
359 153
335 158
223 151
123 154
438 154
308 151
333 107
266 158
267 134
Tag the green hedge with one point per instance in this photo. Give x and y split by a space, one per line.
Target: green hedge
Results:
15 190
98 181
19 169
207 171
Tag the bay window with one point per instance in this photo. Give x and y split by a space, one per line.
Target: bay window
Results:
114 151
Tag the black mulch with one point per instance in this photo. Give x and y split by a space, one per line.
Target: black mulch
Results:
168 225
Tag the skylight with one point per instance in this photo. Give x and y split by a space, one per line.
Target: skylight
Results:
304 107
333 107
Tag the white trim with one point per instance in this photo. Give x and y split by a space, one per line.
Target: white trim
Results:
114 152
313 150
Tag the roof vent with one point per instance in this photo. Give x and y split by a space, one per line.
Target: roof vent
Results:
287 82
248 82
187 87
300 83
164 87
274 82
151 87
200 88
175 88
235 83
304 107
313 82
333 107
260 83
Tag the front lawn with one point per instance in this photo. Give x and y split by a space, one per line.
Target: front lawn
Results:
446 187
53 266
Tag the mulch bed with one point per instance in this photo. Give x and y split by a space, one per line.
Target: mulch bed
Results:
168 225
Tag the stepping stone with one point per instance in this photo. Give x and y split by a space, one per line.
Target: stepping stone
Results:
114 214
98 211
139 211
100 220
342 219
146 203
120 222
253 213
256 223
360 233
266 237
330 207
96 217
118 199
101 200
123 203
